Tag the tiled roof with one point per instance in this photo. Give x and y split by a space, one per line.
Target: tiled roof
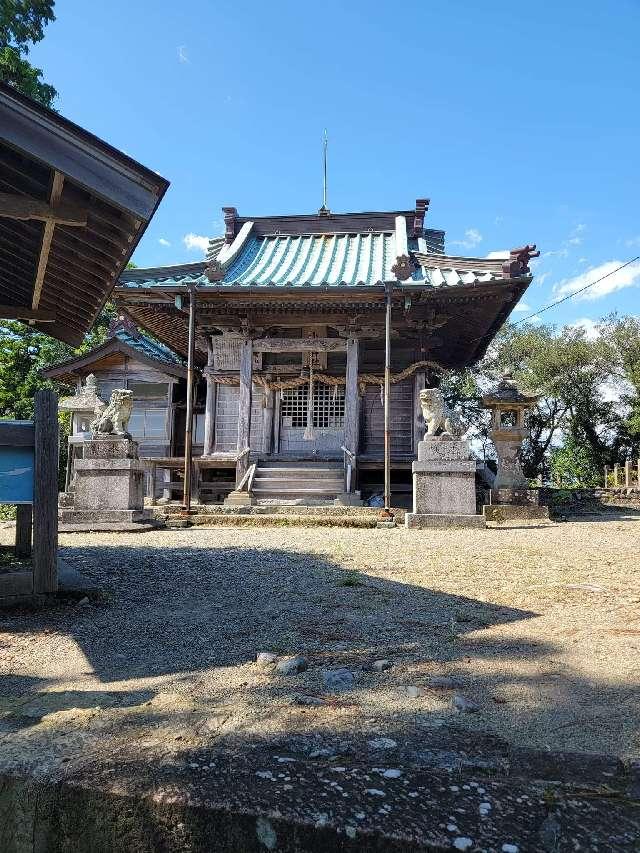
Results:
322 259
447 270
148 347
178 274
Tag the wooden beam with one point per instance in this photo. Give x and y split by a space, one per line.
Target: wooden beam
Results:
23 207
244 406
210 404
299 344
15 312
45 497
47 237
351 398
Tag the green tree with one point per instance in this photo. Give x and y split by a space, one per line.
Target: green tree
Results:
22 24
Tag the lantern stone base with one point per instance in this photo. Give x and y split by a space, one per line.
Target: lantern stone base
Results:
444 491
108 486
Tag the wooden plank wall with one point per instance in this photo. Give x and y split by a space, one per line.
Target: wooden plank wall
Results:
226 423
372 419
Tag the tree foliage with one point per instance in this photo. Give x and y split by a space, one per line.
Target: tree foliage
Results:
22 24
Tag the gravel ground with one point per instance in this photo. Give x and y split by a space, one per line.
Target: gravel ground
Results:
540 625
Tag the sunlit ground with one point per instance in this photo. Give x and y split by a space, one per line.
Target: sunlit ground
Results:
541 626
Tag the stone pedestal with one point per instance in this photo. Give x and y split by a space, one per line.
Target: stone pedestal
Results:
444 485
109 484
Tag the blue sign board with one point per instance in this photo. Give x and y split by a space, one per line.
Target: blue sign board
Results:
16 475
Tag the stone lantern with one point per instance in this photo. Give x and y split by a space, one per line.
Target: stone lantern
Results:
509 406
84 406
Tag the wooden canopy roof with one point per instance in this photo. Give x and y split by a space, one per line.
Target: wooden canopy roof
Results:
72 210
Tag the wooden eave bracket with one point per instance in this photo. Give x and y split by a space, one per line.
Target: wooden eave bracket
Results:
22 207
16 312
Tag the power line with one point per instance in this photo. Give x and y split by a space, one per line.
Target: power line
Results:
576 292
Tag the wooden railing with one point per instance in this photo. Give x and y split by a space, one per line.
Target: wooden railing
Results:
242 463
626 476
349 461
246 484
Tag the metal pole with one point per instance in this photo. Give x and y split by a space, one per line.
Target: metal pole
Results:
387 388
188 438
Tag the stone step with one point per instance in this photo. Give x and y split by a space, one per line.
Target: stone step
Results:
291 491
292 482
283 520
300 473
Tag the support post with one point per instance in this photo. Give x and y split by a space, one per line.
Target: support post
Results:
210 404
23 530
188 435
244 407
606 476
267 420
627 475
45 494
616 475
351 398
387 390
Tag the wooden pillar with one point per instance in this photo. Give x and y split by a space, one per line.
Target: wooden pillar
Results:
244 406
351 398
627 474
616 475
276 423
210 404
419 384
267 420
23 530
188 432
45 494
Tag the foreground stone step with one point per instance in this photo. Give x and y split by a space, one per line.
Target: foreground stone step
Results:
282 520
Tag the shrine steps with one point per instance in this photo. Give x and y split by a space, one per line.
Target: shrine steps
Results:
314 481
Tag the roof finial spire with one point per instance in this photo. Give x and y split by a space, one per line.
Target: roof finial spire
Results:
324 210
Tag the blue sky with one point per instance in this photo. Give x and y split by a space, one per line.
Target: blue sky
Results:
519 121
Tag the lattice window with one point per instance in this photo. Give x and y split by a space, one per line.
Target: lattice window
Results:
294 406
328 406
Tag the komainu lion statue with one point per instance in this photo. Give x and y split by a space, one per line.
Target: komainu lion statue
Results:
439 419
114 419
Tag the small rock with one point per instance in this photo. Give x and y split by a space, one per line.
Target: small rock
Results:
413 692
266 658
338 679
382 743
510 848
392 774
485 808
292 666
464 705
381 665
463 843
375 792
443 682
321 753
308 701
83 602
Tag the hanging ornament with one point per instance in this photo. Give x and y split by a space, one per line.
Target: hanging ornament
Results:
309 433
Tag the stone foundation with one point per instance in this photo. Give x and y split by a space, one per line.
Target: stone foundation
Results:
444 491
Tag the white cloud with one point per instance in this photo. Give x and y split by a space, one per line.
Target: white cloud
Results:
580 227
502 254
561 253
634 241
540 279
574 241
163 241
591 327
196 241
627 277
582 260
472 237
183 56
522 306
